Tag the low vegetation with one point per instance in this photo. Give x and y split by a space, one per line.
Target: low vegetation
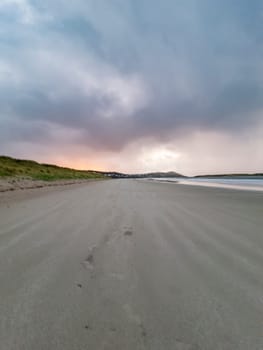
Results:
10 167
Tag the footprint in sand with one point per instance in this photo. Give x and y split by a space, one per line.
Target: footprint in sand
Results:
128 233
89 261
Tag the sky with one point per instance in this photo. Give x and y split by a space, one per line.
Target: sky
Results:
133 85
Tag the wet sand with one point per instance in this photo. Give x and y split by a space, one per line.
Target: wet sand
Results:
128 264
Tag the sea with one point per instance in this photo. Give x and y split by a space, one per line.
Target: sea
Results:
253 184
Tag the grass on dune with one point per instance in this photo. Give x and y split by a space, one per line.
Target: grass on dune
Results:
10 167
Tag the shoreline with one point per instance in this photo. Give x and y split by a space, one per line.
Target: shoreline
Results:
229 186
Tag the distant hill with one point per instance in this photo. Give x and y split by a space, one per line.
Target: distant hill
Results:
162 174
11 167
169 174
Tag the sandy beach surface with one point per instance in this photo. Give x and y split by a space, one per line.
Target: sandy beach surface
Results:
128 264
16 183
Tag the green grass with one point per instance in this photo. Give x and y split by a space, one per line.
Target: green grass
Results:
10 167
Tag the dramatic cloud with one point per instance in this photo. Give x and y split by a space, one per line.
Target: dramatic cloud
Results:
134 84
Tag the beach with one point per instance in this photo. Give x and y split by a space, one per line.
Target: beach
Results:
131 264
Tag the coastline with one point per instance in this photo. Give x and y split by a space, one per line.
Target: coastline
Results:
231 184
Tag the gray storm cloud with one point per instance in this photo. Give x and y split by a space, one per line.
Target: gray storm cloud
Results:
113 72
